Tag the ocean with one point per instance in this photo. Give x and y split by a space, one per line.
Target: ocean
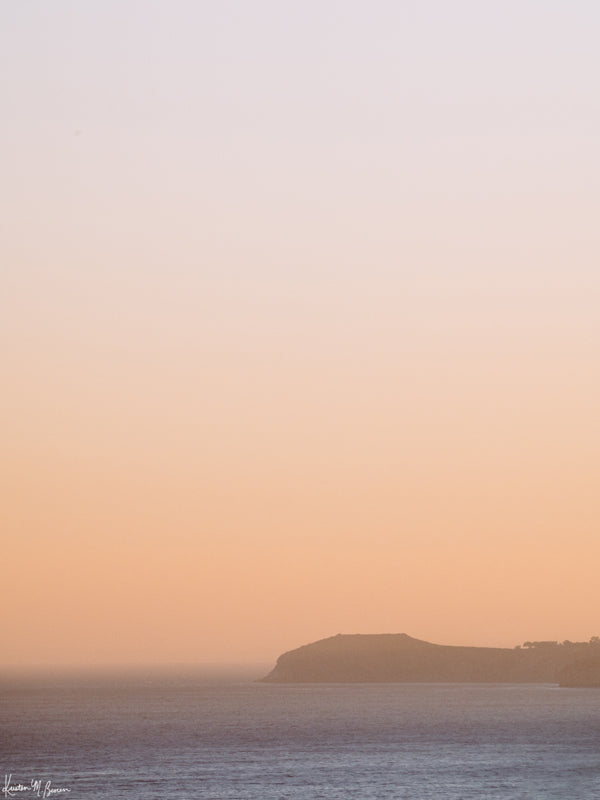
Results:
178 734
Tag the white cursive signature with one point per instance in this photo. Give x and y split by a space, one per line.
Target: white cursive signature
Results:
36 787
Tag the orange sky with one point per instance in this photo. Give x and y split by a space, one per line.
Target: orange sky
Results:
302 326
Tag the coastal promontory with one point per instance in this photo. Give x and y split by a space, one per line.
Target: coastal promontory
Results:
390 658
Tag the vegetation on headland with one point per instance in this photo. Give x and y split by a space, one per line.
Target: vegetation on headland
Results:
389 658
566 643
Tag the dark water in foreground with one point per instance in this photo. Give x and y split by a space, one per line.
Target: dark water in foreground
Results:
182 737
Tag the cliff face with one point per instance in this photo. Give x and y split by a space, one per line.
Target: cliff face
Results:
389 658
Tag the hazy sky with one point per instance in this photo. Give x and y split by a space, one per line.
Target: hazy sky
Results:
300 304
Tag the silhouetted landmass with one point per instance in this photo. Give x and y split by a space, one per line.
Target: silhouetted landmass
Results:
582 673
390 658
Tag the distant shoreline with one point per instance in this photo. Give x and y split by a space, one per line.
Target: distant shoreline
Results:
399 658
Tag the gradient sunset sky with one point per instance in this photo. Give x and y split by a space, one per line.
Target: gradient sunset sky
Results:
301 318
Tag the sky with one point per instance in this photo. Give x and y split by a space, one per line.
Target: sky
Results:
299 305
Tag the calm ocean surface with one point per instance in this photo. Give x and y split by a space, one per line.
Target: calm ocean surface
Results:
178 736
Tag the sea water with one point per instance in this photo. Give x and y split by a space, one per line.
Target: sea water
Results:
182 736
